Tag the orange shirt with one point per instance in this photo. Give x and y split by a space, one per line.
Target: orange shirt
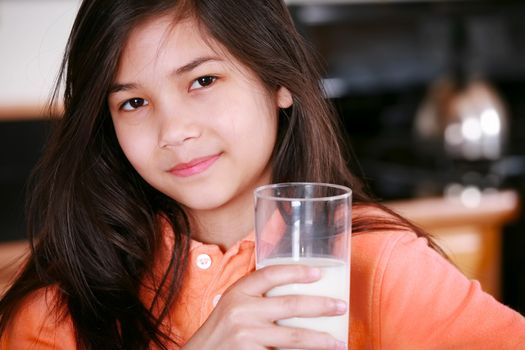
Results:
403 296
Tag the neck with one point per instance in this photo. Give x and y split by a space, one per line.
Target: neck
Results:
226 225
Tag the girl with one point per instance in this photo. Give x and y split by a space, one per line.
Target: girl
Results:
140 216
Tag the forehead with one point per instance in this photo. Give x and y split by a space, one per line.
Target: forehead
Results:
162 38
166 29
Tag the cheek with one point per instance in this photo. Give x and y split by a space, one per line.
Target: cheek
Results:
136 145
256 117
252 129
264 126
256 138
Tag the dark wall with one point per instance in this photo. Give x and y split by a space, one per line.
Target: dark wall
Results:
20 146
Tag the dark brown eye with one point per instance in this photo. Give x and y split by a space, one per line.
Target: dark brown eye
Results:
134 103
203 82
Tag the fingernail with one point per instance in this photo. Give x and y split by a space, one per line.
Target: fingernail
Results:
340 306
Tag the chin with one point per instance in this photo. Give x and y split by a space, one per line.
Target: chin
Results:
202 201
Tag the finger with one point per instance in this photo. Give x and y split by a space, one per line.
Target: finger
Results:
261 281
282 307
297 338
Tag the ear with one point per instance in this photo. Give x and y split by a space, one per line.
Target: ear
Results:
284 97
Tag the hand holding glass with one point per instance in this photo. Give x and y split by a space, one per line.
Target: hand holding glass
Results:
310 224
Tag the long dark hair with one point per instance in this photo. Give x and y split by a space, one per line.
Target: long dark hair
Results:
93 222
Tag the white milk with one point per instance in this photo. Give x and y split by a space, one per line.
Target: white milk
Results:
334 283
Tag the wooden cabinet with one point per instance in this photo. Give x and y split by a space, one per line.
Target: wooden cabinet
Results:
12 256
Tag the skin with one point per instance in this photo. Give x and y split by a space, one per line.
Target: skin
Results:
180 98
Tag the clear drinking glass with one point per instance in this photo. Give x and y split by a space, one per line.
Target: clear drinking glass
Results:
310 224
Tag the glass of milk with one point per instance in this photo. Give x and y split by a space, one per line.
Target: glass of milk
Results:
308 224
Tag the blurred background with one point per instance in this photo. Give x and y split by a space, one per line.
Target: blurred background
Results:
431 95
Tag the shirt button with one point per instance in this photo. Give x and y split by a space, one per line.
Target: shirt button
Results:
216 299
203 261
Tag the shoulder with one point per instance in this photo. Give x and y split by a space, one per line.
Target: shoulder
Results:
375 250
377 258
374 260
382 250
40 322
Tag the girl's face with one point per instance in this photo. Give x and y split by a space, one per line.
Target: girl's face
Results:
193 121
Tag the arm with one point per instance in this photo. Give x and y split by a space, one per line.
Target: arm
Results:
425 302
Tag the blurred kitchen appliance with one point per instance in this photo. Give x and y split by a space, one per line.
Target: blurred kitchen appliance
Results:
467 118
471 120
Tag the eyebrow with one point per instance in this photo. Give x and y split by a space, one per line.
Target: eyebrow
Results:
116 87
195 63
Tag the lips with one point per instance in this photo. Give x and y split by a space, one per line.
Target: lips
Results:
195 166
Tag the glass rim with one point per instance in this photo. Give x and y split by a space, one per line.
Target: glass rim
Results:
259 192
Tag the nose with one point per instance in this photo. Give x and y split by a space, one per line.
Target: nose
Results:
177 126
